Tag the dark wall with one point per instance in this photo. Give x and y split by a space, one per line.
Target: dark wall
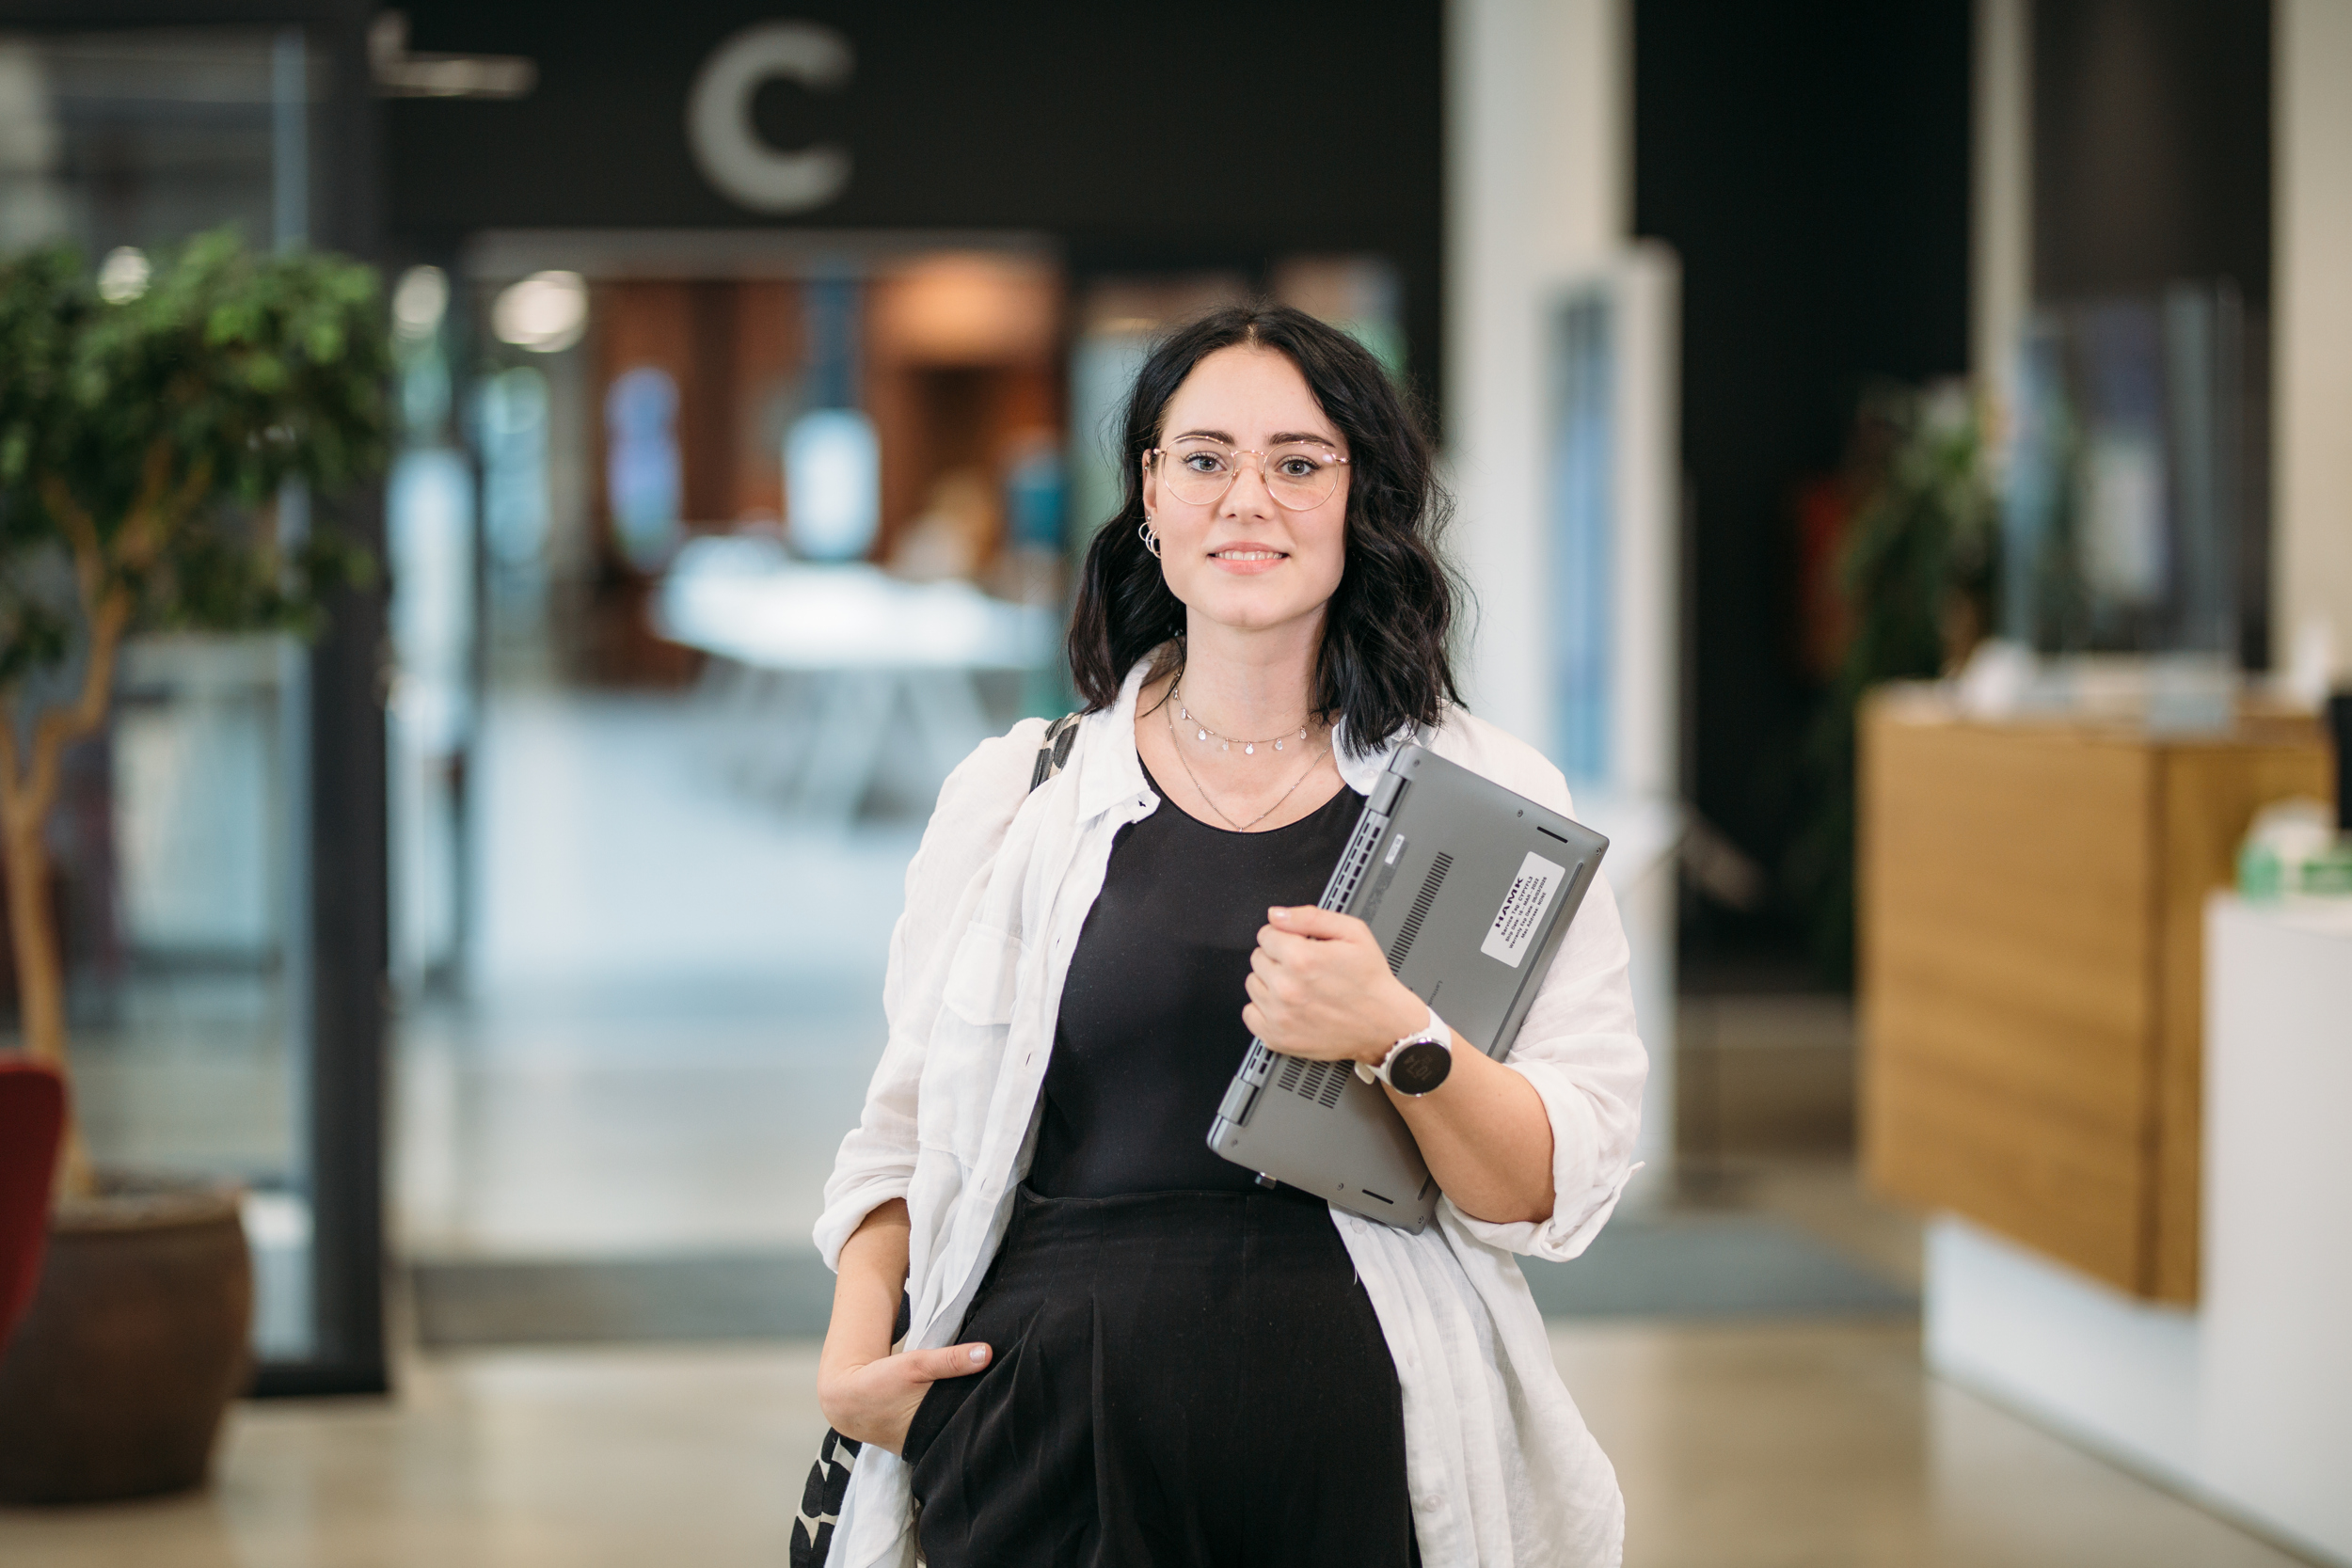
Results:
1810 164
2152 145
1137 136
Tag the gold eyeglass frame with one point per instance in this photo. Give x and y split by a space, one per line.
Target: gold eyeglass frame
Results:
1336 461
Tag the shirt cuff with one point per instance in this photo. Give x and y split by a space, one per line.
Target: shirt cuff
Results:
1583 1196
846 1209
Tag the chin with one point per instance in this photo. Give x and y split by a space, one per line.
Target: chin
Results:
1255 604
1251 614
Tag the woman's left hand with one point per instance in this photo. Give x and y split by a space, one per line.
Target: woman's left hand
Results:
1321 987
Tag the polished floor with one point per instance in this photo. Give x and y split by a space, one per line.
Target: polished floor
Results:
1773 1446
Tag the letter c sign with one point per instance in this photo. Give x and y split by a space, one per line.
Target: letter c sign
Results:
727 145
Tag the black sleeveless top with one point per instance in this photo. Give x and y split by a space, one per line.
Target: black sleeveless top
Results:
1151 1027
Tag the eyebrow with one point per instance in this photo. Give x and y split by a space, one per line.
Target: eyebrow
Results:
1279 438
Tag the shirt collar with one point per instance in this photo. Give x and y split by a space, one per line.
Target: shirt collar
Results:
1108 769
1361 773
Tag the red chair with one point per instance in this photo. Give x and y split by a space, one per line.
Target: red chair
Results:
32 1119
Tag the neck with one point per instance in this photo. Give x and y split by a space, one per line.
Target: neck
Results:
1251 682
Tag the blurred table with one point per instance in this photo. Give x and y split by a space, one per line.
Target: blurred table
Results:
818 663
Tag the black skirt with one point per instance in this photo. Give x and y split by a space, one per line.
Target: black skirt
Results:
1182 1380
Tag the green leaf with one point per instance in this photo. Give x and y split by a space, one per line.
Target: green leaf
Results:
245 368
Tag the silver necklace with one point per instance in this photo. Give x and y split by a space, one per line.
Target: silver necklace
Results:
1202 790
1226 742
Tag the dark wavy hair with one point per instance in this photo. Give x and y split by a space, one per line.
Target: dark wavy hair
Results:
1385 663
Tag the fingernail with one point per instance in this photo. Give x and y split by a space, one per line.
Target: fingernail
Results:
979 1353
1278 913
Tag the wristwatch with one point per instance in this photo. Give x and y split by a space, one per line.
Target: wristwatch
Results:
1415 1064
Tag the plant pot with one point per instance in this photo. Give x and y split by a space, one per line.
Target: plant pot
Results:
135 1342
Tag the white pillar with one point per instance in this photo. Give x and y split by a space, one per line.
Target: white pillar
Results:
1538 172
2312 323
1539 164
2000 272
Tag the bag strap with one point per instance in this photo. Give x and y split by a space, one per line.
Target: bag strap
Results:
1052 755
829 1477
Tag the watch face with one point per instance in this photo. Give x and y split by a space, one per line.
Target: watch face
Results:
1419 1066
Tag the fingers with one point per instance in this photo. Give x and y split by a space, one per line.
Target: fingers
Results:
1306 920
948 1361
1275 946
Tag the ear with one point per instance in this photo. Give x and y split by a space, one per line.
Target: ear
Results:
1150 487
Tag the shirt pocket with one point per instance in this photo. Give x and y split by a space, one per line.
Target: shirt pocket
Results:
982 976
966 1064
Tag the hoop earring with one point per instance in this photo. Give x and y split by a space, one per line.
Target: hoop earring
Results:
1150 540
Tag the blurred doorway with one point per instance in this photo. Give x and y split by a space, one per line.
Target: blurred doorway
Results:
769 534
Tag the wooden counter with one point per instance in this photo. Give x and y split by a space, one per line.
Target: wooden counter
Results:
2031 922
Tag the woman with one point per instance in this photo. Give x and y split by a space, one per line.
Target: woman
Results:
1122 1350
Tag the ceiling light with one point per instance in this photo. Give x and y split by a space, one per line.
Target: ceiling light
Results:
545 312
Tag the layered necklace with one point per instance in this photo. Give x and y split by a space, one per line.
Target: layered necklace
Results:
1226 742
1175 705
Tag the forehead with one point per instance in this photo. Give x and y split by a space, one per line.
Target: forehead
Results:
1249 392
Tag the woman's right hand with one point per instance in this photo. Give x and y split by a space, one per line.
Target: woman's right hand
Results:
874 1401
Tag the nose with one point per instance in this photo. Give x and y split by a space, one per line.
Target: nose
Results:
1259 500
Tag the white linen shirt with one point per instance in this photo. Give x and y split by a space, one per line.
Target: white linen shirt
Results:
1500 1467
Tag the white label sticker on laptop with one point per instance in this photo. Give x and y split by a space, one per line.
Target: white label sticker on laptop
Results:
1522 910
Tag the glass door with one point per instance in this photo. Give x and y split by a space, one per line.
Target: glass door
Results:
210 944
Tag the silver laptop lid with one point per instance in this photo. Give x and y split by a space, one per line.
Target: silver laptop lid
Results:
1469 889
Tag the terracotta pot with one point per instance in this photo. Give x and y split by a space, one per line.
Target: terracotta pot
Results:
137 1340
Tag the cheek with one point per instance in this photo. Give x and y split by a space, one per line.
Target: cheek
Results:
1324 550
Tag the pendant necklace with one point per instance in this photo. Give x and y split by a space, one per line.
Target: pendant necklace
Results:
1226 742
1170 707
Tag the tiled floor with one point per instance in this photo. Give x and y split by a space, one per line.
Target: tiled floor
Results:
1786 1446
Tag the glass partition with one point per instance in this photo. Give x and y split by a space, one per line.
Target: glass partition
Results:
182 840
2128 483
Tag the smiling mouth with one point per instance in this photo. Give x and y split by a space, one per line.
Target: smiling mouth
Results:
1246 555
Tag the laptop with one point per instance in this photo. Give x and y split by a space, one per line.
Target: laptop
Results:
1470 888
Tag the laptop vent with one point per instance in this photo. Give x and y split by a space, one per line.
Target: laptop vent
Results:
1321 1082
1420 912
1342 887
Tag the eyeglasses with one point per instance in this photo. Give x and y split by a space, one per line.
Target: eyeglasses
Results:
1298 474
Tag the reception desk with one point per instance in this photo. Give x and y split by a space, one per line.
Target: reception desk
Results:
2031 919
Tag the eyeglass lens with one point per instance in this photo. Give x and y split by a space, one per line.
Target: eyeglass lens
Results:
1298 475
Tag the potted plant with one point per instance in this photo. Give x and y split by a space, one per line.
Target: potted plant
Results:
1917 571
148 422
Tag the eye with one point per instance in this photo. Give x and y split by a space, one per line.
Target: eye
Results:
1296 465
1202 460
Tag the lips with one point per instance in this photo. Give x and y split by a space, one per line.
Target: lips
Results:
1246 558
